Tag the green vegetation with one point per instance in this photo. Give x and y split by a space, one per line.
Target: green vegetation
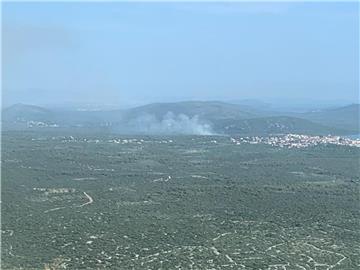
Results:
180 202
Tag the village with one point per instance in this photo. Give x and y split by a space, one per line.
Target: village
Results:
298 140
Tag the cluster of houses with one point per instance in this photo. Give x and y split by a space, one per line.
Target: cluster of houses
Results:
298 140
39 124
137 141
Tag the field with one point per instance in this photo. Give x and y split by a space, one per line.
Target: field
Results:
179 202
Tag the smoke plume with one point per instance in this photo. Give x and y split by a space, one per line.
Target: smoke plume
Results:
170 124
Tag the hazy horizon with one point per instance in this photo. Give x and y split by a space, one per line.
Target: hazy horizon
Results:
129 54
272 104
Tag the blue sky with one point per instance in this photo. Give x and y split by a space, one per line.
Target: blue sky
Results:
134 53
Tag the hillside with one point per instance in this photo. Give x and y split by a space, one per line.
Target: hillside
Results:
274 125
193 117
22 112
347 117
22 116
206 110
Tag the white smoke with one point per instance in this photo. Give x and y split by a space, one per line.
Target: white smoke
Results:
170 124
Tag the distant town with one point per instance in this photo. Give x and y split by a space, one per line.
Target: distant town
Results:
298 140
281 140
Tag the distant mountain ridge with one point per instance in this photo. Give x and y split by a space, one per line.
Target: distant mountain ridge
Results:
18 111
210 110
276 125
347 117
187 117
16 116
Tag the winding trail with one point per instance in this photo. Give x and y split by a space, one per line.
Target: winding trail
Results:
88 202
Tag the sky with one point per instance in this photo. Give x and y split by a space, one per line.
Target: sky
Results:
127 54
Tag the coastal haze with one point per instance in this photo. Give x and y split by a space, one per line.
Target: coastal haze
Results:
180 136
131 54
